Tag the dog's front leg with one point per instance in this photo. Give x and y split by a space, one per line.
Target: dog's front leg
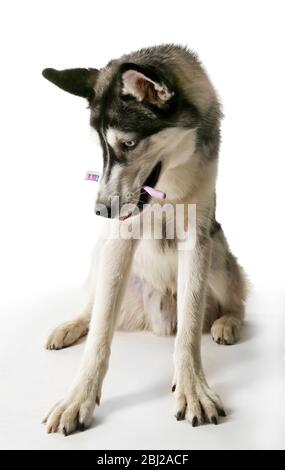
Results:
76 411
193 397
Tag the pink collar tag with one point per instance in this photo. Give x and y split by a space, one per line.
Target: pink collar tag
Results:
92 176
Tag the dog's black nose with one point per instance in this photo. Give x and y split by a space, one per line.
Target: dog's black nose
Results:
104 211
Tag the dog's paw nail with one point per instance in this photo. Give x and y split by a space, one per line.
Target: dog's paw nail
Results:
214 420
179 416
65 433
195 422
81 426
222 413
173 388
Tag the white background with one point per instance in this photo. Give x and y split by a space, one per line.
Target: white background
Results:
48 227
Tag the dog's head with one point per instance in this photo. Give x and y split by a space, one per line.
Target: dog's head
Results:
143 118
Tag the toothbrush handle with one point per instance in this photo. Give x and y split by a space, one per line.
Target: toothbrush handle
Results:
154 192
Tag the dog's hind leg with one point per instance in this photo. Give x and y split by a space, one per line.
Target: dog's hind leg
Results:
69 332
228 284
211 311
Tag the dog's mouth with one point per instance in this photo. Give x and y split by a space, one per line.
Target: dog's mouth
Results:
144 196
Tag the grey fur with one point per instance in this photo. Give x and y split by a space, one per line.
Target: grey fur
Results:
161 100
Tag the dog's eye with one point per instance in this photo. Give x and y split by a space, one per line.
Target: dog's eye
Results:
128 144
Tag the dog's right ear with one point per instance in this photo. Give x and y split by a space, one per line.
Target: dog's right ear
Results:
79 82
144 85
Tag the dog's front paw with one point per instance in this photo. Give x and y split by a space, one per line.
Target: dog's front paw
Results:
196 402
73 414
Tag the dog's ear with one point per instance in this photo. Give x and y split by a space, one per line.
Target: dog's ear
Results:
79 82
145 87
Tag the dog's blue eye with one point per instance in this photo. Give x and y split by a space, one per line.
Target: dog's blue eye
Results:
129 143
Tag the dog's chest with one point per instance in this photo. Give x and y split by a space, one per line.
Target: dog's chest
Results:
155 261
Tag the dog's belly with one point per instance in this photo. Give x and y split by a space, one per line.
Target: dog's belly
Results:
156 263
150 300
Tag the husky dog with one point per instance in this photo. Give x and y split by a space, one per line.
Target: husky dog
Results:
158 120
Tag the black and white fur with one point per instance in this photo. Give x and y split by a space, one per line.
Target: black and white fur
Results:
158 120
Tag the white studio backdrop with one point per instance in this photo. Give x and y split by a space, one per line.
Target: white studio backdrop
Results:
47 222
48 226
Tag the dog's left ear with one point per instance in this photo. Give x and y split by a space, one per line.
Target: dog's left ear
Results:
145 88
79 82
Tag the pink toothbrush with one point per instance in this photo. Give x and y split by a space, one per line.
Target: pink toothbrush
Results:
94 176
154 192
